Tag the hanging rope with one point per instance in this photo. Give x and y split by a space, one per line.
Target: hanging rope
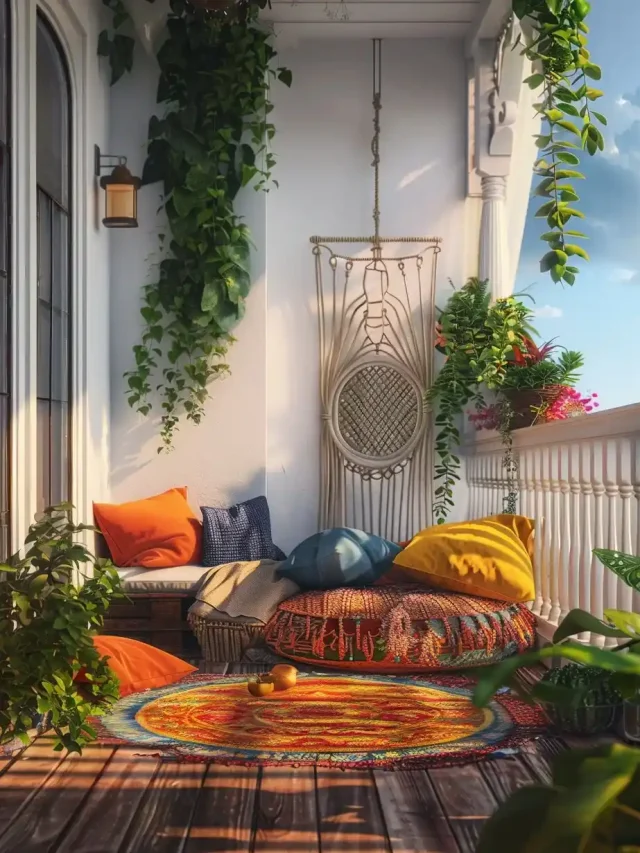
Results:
375 143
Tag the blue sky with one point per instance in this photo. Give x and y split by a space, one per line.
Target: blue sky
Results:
600 314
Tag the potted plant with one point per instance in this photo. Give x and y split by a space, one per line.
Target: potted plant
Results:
49 611
477 338
593 804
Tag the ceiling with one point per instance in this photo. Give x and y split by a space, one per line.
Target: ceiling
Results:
373 18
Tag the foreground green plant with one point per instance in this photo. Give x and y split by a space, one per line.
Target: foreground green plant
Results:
593 804
211 139
563 72
49 612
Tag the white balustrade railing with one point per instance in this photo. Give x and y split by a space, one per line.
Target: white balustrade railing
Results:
580 480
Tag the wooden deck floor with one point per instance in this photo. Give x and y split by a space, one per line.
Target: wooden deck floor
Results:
114 801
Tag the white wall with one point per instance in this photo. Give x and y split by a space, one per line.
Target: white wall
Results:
323 144
260 433
224 459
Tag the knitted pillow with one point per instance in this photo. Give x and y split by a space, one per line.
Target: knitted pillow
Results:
339 557
398 629
238 534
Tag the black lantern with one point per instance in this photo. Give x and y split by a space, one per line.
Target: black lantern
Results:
121 191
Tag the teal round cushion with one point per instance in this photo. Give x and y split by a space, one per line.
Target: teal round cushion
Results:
339 557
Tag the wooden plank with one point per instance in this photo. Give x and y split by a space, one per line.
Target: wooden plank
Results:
539 755
286 811
164 816
224 817
47 814
507 775
24 777
412 812
103 821
467 802
349 813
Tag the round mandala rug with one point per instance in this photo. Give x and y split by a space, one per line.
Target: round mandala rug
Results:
339 720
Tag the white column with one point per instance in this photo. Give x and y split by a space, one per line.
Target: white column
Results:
494 245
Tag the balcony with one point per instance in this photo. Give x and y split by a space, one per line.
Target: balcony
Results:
580 480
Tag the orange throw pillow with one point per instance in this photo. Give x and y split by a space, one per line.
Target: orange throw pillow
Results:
139 666
155 533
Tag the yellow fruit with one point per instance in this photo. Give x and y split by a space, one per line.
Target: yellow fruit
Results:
261 688
284 676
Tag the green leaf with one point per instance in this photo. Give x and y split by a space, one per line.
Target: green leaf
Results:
511 828
593 71
568 125
104 44
285 76
628 623
579 621
567 157
602 119
572 249
534 81
553 258
625 566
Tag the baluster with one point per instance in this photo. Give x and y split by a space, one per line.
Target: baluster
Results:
611 491
486 485
576 578
541 533
553 531
597 575
623 454
528 509
635 479
566 586
499 485
472 462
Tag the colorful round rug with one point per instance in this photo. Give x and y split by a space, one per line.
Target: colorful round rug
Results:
339 720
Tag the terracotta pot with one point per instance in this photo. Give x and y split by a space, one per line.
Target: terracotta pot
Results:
526 402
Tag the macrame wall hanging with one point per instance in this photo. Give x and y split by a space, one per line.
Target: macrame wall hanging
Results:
376 314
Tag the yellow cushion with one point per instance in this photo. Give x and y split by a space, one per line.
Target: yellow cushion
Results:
489 557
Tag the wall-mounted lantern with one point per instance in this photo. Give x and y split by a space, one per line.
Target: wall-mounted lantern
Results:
121 191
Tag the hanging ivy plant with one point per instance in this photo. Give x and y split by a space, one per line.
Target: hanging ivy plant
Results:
211 139
476 336
114 45
564 71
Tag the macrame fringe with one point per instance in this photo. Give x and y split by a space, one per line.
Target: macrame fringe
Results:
405 641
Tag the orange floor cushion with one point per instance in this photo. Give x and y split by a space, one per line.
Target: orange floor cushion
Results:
139 666
398 629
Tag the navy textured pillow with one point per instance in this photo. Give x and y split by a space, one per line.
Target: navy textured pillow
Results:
339 557
240 533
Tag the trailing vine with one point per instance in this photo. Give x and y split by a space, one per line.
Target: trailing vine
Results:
211 140
114 45
477 336
563 71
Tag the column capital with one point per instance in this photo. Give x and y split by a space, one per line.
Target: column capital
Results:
494 187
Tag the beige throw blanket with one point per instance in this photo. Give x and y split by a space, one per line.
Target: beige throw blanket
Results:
244 592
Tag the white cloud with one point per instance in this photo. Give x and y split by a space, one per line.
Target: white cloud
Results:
621 101
548 312
623 275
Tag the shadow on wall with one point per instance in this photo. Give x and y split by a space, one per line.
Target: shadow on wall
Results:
325 187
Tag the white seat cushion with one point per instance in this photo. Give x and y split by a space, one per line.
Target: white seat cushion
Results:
185 579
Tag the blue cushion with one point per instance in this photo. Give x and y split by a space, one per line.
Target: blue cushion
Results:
240 533
339 557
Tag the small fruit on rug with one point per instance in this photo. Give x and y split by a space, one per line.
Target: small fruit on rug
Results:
262 687
284 676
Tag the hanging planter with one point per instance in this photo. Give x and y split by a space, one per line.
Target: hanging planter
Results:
527 404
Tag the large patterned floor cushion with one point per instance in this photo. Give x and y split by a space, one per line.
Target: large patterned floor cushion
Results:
398 629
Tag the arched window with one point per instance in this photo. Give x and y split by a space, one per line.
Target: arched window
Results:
54 278
5 276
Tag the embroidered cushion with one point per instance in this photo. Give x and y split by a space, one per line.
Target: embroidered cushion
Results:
398 629
238 534
339 557
489 557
